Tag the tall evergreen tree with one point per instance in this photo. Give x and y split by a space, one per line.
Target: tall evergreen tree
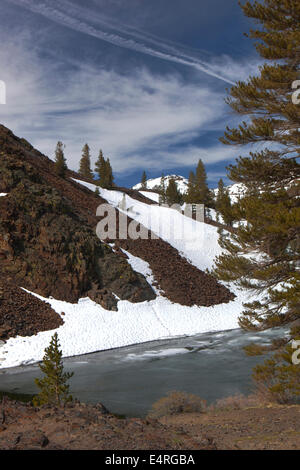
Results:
191 196
221 188
202 192
109 178
100 167
54 387
198 191
85 163
144 180
271 204
173 195
103 169
60 160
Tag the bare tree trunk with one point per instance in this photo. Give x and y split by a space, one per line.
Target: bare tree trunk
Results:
3 417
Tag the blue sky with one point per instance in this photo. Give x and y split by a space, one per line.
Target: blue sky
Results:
143 80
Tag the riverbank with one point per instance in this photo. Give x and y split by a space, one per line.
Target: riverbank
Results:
91 427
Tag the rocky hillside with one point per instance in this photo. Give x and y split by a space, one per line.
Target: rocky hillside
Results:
48 245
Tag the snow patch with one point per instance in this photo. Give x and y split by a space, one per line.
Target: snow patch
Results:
88 327
153 196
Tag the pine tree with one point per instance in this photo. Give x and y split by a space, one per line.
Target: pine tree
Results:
271 203
144 180
109 178
223 204
54 387
60 160
191 195
100 167
278 378
104 172
85 163
221 188
173 195
270 208
198 191
202 192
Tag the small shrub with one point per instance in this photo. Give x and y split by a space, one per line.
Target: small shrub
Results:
254 349
177 403
235 402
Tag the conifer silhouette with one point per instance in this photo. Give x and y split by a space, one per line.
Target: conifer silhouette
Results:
54 389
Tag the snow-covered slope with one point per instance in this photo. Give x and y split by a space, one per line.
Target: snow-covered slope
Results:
195 240
150 195
88 327
181 183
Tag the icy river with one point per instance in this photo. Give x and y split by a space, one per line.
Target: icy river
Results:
128 380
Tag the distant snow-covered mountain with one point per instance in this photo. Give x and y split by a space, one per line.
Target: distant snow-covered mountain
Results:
181 183
235 190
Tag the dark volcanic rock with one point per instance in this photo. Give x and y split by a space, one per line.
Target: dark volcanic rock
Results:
22 314
31 440
48 248
48 244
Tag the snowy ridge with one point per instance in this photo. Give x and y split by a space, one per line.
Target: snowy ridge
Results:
88 327
236 191
181 183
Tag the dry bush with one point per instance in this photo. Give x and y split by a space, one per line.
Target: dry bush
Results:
176 403
235 402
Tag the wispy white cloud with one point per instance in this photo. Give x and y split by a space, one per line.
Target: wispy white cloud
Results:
97 25
136 119
140 120
189 156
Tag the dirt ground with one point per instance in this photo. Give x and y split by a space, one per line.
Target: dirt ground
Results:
264 428
88 427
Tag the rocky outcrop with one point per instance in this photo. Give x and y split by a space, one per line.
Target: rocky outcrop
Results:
47 247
